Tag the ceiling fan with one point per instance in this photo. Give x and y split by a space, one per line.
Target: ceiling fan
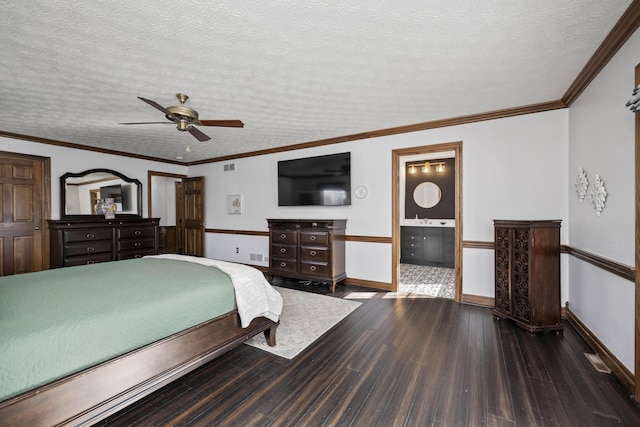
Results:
186 118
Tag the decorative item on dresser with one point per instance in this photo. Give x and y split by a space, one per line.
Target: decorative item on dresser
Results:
527 273
308 249
90 240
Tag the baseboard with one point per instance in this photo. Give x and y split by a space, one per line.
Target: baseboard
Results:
619 370
383 286
478 300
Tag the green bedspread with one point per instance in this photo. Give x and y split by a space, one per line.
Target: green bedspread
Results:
57 322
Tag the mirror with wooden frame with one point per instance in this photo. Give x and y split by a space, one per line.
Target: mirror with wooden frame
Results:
79 193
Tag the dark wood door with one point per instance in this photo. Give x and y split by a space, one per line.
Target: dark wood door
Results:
193 190
24 197
180 230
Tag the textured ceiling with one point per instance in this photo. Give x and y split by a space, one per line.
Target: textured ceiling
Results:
292 71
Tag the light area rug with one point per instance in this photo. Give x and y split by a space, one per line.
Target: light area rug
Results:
305 318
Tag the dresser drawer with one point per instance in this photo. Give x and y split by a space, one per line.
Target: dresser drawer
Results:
314 254
139 253
283 251
135 244
84 248
86 235
320 238
284 236
283 265
135 232
87 259
314 269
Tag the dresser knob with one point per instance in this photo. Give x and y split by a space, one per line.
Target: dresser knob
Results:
90 236
283 264
313 268
283 250
137 244
283 236
91 249
312 238
137 232
90 262
312 253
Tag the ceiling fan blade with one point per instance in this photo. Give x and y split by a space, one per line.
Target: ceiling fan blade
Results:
147 123
197 133
222 123
154 104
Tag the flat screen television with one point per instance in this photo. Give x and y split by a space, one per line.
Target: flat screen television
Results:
315 181
119 193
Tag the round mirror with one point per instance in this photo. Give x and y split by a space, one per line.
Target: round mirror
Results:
427 195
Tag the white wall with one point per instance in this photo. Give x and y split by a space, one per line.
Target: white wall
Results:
514 168
164 199
65 160
602 140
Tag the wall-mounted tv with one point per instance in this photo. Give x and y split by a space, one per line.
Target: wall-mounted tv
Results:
120 194
315 181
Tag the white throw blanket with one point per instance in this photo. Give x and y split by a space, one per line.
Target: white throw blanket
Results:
255 297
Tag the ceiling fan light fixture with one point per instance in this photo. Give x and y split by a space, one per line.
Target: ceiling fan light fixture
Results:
183 125
185 118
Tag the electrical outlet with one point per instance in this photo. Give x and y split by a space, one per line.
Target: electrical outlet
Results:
237 250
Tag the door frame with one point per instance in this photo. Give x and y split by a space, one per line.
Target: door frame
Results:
151 174
397 156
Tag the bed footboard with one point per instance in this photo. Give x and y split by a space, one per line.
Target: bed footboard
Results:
91 395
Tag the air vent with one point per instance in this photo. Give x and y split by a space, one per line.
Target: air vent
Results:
229 167
597 363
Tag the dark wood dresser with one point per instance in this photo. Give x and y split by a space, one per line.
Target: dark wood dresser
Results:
308 249
527 273
87 241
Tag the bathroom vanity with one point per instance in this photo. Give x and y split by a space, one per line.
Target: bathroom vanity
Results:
428 243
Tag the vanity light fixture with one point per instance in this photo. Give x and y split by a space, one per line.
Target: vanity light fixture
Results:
426 167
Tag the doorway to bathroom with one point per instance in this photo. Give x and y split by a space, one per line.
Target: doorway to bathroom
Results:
427 220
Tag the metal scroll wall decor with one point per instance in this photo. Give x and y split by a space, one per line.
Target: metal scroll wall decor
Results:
597 193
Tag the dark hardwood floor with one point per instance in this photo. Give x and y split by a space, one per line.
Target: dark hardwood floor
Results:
399 362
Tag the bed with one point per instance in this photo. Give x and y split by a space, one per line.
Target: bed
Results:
78 344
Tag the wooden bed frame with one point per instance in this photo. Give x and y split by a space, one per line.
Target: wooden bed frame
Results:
89 396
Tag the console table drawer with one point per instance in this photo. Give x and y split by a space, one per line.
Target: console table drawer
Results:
84 248
314 254
85 235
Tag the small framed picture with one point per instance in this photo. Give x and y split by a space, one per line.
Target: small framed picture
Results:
234 204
